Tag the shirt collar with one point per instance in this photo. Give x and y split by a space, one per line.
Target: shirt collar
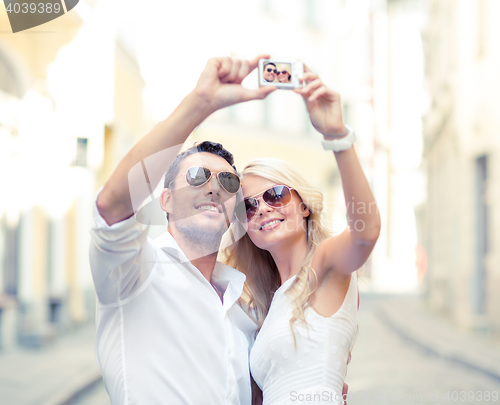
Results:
223 274
167 243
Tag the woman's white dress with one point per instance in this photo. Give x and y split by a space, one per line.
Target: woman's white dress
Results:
314 371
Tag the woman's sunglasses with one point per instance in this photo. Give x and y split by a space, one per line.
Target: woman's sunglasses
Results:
275 197
197 176
283 72
272 70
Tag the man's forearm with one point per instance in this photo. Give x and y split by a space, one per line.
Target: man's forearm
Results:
142 168
155 151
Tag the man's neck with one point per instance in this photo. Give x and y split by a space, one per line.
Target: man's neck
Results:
203 261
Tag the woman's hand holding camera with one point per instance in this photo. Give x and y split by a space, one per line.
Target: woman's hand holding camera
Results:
323 104
220 86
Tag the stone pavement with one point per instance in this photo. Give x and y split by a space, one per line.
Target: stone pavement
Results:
409 317
52 375
393 364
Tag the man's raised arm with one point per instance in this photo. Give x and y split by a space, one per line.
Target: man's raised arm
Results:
219 86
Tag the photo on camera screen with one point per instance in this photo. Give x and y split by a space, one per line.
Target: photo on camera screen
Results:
284 75
278 73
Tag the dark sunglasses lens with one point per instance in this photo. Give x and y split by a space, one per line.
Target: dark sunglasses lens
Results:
196 176
269 69
277 196
230 182
251 206
246 209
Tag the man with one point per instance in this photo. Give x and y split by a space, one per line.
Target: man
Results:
270 72
169 328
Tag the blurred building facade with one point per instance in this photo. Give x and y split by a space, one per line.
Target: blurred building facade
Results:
397 78
462 158
63 124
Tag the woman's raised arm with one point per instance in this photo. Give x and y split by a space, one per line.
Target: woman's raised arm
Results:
346 252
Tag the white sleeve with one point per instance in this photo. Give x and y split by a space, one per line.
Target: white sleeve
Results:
121 257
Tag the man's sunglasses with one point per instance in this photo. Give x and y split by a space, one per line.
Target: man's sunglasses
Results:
275 197
197 176
272 70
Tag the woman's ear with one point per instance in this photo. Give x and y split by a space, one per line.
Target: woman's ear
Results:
304 210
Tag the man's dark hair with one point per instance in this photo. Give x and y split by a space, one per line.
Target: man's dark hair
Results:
206 146
270 63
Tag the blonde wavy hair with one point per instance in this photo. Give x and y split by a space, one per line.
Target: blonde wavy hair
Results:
263 278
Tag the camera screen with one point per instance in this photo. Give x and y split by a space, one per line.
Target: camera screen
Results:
277 72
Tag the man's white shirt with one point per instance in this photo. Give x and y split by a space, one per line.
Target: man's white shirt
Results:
163 334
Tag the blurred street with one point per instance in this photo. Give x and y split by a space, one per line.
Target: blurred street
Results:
96 395
51 375
392 363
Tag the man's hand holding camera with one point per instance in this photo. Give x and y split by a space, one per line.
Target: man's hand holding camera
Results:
220 86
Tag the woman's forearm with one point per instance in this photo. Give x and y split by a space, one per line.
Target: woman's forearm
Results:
362 211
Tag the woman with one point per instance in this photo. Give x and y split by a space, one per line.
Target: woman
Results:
299 277
284 73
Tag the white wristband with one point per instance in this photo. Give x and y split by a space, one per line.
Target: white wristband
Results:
340 144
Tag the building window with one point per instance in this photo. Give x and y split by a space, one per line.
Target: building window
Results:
308 127
8 82
346 113
482 27
310 13
482 231
10 258
81 152
266 112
